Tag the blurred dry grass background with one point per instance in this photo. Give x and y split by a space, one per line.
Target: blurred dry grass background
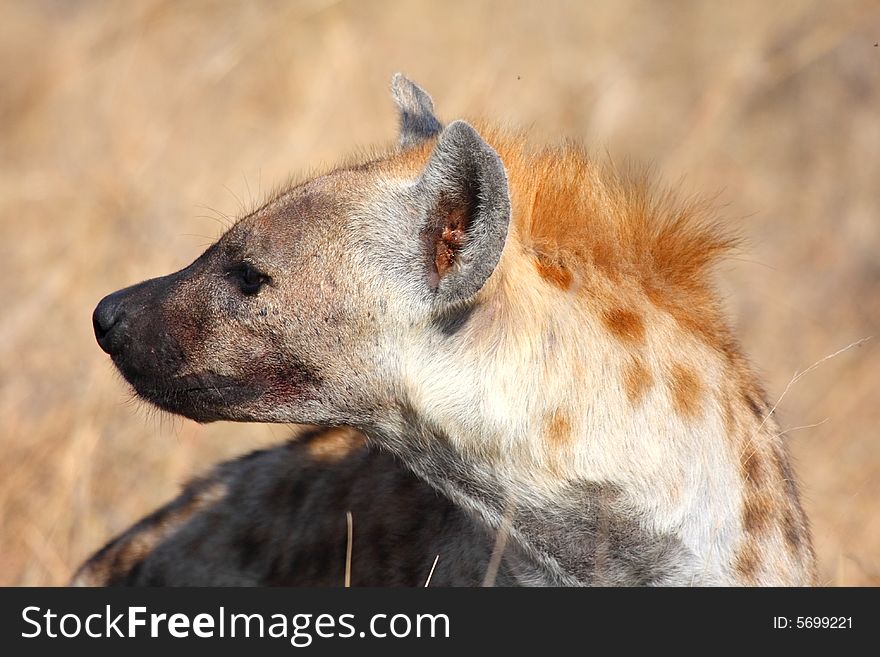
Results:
120 122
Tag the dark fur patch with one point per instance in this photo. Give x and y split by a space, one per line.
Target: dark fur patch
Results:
451 322
754 406
248 547
747 559
758 511
794 524
753 467
792 531
787 474
128 574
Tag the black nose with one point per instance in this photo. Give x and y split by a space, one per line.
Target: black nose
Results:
105 319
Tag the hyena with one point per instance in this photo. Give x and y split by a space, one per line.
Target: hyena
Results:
534 335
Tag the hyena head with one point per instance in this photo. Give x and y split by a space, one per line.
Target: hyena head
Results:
532 333
299 312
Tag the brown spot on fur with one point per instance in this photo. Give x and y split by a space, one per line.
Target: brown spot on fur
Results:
746 561
558 429
753 405
553 272
637 380
757 512
625 325
686 391
334 444
752 467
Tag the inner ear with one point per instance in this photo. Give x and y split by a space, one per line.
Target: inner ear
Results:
452 223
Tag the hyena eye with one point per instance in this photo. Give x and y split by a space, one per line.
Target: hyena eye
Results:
248 278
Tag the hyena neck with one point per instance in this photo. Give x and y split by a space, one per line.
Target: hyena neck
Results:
605 463
594 383
542 442
585 536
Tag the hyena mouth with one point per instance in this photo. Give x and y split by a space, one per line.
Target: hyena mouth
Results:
201 397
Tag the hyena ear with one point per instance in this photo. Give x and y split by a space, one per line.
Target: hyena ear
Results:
417 120
463 190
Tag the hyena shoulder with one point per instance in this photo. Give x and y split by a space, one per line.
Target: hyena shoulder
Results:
277 517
